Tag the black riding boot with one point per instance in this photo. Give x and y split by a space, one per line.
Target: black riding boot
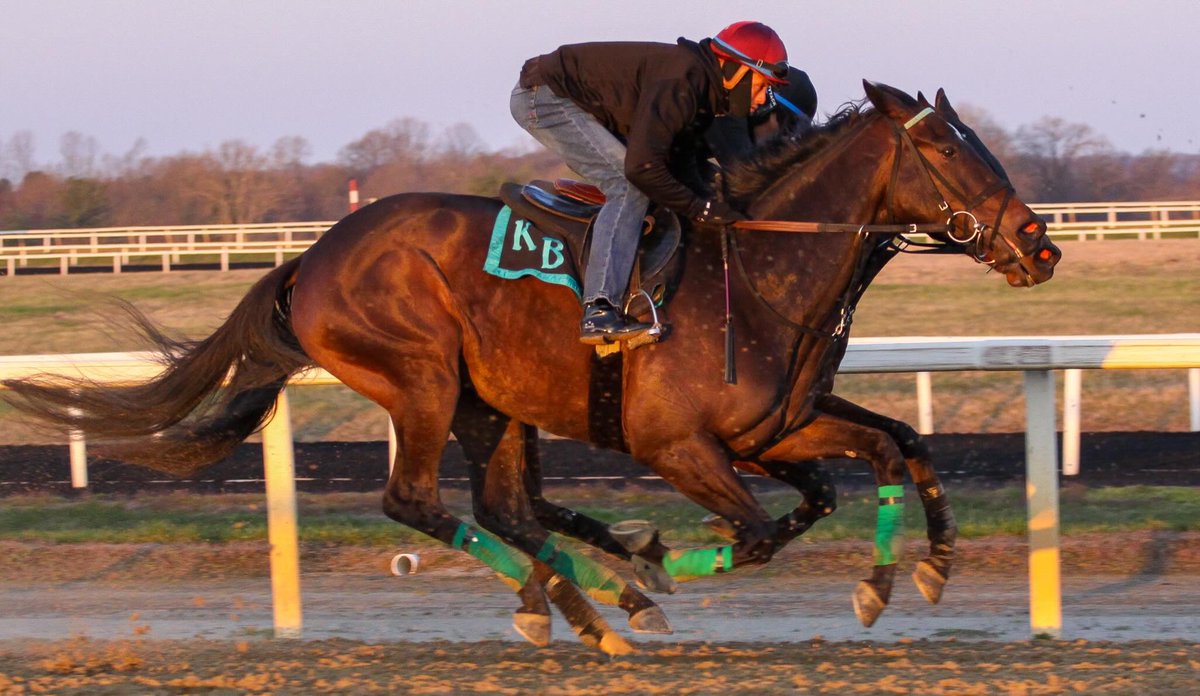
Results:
603 323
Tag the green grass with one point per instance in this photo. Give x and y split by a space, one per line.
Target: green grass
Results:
355 519
1101 288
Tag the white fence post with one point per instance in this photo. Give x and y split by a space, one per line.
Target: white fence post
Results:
282 529
1194 398
391 445
1072 386
77 450
924 403
1041 496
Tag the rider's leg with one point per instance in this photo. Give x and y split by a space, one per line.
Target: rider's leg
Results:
598 156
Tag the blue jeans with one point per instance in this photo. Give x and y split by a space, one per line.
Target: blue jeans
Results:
599 157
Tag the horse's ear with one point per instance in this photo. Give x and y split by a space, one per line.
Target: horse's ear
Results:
942 104
889 100
922 100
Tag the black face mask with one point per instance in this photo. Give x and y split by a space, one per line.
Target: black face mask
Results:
739 96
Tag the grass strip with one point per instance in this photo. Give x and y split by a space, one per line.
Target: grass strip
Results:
354 519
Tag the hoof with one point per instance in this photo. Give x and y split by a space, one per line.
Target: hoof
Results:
929 581
650 620
614 644
633 535
720 525
868 605
652 576
534 628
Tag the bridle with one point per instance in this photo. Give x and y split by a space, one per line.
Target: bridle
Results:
976 237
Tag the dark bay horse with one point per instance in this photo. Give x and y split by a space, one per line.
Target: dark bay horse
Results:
393 301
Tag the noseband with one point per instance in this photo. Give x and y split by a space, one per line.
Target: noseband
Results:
978 237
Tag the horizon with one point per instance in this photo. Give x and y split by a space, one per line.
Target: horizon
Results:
187 78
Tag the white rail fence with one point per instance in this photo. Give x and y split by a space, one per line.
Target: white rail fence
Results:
170 246
1036 357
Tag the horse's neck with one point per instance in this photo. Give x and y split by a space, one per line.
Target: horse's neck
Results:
805 275
845 182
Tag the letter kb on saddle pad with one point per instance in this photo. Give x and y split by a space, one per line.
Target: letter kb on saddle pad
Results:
519 249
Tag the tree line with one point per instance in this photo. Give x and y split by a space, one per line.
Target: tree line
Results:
1049 161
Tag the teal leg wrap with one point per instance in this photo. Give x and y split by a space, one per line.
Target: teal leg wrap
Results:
695 563
890 525
597 581
498 556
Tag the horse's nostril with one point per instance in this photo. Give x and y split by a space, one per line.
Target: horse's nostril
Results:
1031 227
1045 255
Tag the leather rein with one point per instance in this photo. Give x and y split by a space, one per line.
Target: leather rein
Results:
977 234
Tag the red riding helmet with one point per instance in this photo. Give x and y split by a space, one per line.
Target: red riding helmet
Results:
756 45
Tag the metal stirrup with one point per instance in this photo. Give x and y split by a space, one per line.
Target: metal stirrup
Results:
656 328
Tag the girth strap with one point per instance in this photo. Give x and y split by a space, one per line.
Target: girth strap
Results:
605 395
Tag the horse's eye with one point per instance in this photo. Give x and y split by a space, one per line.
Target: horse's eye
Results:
949 152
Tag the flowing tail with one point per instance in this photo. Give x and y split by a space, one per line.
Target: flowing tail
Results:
183 420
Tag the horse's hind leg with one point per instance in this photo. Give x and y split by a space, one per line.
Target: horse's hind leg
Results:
411 496
502 505
650 574
934 570
422 426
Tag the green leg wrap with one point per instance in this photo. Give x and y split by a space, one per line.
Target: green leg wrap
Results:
600 583
695 563
510 563
890 525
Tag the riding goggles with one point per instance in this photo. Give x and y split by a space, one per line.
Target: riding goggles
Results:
775 72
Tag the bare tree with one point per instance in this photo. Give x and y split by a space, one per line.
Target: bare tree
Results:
402 140
16 156
290 152
79 154
1051 150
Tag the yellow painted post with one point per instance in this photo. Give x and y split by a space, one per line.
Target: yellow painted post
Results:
1041 496
282 532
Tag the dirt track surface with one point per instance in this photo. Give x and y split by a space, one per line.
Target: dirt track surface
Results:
172 619
344 667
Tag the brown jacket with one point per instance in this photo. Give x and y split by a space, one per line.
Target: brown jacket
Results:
659 98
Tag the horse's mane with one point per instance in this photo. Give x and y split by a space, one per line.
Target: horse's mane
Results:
747 178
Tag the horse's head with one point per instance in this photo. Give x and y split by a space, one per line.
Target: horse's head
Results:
944 173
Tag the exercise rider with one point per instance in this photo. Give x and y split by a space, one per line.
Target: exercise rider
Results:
630 117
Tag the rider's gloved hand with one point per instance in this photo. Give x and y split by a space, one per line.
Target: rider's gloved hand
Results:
718 214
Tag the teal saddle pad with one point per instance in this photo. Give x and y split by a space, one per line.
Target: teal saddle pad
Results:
519 249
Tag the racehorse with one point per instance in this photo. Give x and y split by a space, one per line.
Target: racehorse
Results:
392 301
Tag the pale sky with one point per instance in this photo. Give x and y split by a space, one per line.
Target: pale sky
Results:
187 75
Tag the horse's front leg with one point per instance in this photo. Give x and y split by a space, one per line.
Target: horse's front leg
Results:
826 437
810 479
934 570
698 467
